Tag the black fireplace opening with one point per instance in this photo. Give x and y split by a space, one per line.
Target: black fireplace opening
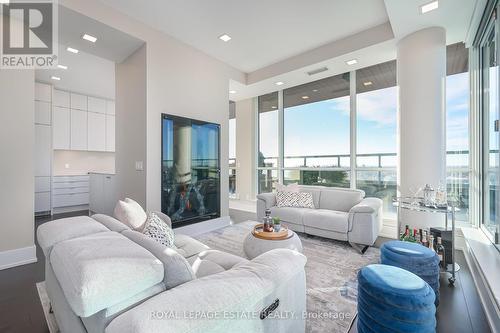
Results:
190 171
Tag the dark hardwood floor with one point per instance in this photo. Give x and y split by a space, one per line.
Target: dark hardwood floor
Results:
460 309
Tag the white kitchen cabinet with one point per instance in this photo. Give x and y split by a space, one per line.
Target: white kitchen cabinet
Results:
102 193
43 151
61 128
43 92
42 113
110 133
96 132
61 98
110 107
79 130
97 105
70 192
78 102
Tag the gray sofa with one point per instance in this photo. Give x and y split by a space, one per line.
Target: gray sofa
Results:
340 213
102 276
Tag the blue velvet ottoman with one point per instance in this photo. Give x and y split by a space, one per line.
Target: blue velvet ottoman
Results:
415 258
391 299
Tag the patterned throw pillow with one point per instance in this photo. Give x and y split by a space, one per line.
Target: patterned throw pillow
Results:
158 230
294 199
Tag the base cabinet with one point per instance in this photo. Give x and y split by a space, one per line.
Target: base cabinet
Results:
102 193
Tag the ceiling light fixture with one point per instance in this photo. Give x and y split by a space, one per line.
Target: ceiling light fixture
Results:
305 97
90 38
225 38
57 78
274 107
279 83
232 91
429 7
315 90
351 62
368 83
62 66
72 50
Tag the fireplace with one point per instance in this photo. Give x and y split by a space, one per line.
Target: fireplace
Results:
190 171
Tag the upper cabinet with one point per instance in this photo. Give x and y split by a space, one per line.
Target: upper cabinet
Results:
97 131
61 128
78 102
97 105
79 122
61 98
43 92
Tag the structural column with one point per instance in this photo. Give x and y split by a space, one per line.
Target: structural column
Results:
421 61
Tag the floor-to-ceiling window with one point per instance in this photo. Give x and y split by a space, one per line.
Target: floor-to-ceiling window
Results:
457 128
316 133
490 128
232 149
268 154
376 133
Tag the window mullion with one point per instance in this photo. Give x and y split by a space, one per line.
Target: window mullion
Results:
281 133
352 89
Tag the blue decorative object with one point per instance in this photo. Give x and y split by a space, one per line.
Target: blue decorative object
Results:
391 299
415 258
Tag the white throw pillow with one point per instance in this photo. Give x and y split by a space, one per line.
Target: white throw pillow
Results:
294 199
288 188
130 213
158 230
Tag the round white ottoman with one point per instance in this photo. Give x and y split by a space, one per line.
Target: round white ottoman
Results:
254 246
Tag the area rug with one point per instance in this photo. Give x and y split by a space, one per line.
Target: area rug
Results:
331 273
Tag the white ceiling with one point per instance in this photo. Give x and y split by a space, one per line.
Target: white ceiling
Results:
263 32
111 44
280 40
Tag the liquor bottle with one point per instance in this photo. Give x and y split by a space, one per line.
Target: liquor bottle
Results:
431 243
425 241
416 237
440 253
420 236
406 233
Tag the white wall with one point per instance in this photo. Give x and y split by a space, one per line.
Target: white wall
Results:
245 148
181 81
17 96
131 105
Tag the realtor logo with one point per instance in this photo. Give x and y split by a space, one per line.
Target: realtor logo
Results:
29 34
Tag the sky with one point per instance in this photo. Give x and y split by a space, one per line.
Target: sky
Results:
322 128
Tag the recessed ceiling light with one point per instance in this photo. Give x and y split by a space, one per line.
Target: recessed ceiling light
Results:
428 7
232 91
351 62
274 107
315 90
57 78
72 50
368 83
62 66
225 38
305 97
90 38
279 83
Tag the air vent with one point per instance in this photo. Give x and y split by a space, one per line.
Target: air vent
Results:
317 71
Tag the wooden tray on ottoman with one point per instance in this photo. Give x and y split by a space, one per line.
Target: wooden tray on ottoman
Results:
281 235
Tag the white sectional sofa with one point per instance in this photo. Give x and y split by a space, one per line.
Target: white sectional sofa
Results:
102 276
339 213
